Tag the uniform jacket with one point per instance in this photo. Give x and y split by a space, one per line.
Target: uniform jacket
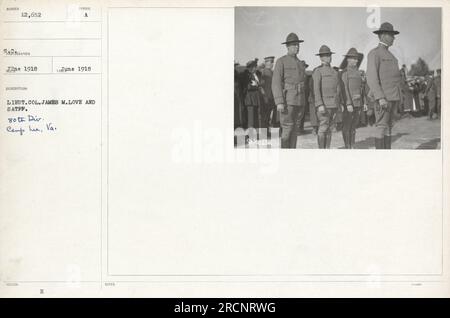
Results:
288 81
354 87
383 74
327 87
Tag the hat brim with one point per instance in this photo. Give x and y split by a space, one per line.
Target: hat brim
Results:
289 42
344 63
386 31
329 53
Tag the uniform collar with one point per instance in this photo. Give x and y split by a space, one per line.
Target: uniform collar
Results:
382 44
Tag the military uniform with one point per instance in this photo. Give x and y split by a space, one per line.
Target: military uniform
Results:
288 88
354 97
384 79
327 94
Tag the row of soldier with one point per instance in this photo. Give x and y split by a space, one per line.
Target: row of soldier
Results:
333 96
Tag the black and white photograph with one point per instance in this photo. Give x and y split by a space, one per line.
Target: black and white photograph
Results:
337 78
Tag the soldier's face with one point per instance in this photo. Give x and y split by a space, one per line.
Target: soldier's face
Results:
325 59
268 64
388 38
293 48
352 62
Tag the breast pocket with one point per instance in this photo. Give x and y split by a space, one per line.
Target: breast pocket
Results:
387 66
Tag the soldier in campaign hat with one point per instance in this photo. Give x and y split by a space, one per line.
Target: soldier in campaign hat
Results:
384 80
327 97
354 96
288 88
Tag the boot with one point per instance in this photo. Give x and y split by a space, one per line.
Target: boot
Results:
321 141
346 140
387 142
352 139
328 140
379 143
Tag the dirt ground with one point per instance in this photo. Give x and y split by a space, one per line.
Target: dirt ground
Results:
408 133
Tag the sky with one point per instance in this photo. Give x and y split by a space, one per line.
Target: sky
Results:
259 32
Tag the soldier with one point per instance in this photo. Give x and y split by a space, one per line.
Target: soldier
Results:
270 108
288 88
354 92
326 96
384 79
437 84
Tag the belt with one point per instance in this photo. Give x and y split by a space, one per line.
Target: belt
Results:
297 86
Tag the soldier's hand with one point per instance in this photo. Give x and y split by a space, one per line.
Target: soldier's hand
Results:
321 109
365 107
280 107
350 108
383 103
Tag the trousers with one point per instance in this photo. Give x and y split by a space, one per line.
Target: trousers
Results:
350 122
326 122
384 118
289 120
